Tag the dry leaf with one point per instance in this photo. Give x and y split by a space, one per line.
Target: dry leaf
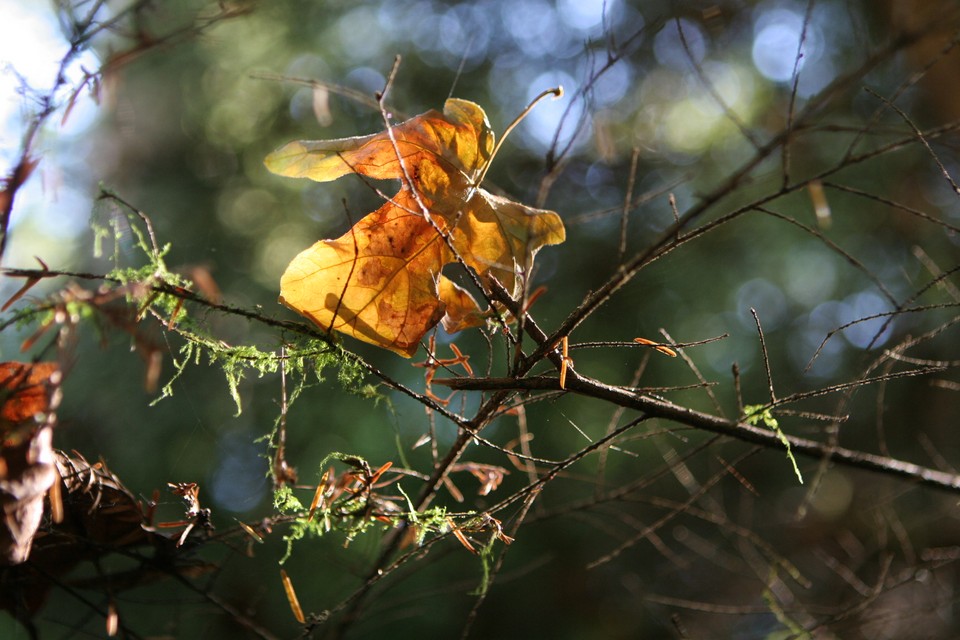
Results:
21 495
292 597
381 282
12 183
26 460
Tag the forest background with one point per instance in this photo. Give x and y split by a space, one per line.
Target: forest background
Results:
766 190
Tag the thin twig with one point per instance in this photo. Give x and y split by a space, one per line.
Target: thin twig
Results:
766 357
919 134
785 156
627 199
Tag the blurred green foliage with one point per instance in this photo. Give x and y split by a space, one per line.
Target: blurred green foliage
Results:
182 133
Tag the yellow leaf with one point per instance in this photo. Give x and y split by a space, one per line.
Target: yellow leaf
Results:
381 281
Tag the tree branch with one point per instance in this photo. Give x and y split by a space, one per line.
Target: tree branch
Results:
659 408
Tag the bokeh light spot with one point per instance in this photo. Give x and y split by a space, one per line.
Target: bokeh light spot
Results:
360 34
541 125
612 85
586 16
533 25
766 298
868 332
811 276
239 482
776 41
669 50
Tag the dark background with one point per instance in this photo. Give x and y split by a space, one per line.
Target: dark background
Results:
182 132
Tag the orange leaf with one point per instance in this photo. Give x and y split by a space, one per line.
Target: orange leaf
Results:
25 389
292 597
461 537
662 348
381 282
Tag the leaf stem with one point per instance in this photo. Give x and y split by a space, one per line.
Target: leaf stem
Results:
556 92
